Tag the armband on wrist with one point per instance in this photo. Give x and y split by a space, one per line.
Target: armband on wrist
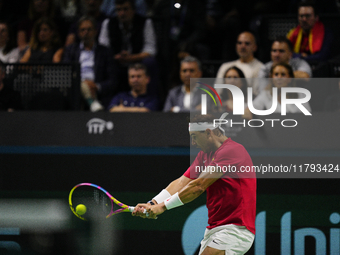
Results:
173 202
164 194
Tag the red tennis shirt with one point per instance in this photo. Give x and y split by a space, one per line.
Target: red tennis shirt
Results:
232 198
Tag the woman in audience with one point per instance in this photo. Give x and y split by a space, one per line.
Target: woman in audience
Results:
37 9
8 52
281 75
233 76
45 44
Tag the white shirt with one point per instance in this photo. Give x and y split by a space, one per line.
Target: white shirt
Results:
250 70
86 60
296 63
11 57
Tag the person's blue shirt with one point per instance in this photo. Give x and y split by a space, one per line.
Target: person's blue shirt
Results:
126 98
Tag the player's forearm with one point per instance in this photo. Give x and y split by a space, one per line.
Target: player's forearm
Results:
191 191
177 185
174 187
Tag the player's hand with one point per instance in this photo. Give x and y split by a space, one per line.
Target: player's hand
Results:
153 210
142 209
156 210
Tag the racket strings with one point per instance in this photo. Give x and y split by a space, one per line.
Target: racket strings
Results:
97 203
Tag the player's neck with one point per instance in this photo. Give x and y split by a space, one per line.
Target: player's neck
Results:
219 141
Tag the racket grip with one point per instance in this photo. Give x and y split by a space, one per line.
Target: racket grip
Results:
132 208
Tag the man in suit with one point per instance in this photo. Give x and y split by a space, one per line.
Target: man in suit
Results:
96 65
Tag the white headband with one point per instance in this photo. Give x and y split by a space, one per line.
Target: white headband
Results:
202 126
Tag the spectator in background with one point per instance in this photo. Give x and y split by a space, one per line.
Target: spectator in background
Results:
282 52
311 39
70 11
8 52
137 99
108 7
45 44
282 76
10 100
250 66
234 76
183 98
132 39
225 21
180 32
91 9
37 9
96 65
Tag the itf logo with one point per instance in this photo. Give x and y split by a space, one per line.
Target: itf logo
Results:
97 126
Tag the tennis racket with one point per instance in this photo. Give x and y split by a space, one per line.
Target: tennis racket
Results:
95 202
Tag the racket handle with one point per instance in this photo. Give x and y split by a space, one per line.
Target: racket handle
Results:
132 208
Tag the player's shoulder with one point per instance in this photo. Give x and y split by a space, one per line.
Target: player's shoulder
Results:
232 146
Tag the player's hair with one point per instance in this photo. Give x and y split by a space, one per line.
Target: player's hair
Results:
283 39
87 18
139 66
132 3
190 59
308 3
205 118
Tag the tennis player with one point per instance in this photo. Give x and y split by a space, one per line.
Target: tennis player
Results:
231 194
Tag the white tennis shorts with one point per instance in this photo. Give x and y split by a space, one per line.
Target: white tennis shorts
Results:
231 238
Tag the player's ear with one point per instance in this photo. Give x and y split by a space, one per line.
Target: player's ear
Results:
208 132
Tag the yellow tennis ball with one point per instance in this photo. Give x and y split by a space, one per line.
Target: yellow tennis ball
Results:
81 209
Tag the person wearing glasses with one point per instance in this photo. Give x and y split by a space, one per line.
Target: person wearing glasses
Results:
250 66
282 52
96 65
311 39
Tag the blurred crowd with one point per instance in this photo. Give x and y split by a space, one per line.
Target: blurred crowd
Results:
139 55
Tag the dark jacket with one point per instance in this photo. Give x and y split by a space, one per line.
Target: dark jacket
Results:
104 70
137 35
